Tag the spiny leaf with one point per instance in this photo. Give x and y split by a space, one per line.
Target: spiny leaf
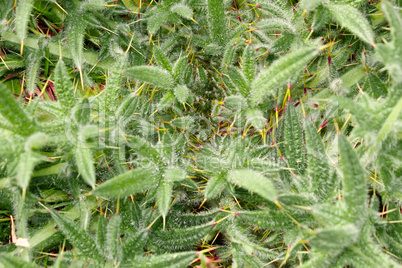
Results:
391 52
281 70
132 182
181 237
256 118
293 140
183 10
10 110
85 163
239 80
317 162
78 237
350 18
275 25
170 260
248 63
333 240
271 220
155 21
24 9
32 70
113 237
217 20
182 93
27 162
15 262
254 182
354 182
229 54
162 59
215 185
63 86
113 84
76 38
311 4
164 197
152 75
144 148
174 174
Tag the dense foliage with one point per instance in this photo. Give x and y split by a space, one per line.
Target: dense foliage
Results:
203 133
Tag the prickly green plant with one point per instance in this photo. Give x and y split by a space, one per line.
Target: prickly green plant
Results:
207 133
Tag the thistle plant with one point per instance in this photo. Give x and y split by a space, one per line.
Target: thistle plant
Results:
200 133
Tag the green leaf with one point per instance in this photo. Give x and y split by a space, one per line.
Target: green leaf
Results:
82 112
294 140
248 63
164 197
33 61
351 19
217 20
113 84
333 240
101 234
354 181
78 237
256 118
180 238
271 220
181 92
144 148
229 55
174 174
183 10
215 185
75 38
26 165
254 182
132 182
155 21
391 52
10 110
318 166
85 163
169 260
152 75
239 80
311 4
63 86
15 262
162 59
113 237
24 9
274 25
279 71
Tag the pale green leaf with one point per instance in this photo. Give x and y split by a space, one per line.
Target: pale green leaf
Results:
254 182
354 181
152 75
132 182
351 18
318 166
279 71
164 196
63 85
11 110
214 187
183 10
24 9
217 20
78 237
182 93
174 174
